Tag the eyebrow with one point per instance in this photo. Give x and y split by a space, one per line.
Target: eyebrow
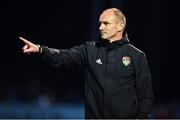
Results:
105 22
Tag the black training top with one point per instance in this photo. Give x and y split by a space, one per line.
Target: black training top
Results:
117 77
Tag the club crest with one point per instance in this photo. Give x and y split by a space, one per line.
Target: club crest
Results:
126 60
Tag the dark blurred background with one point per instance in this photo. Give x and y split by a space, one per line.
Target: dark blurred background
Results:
32 89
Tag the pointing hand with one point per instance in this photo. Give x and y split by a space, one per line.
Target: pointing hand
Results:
29 47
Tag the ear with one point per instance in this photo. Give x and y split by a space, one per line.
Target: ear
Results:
120 26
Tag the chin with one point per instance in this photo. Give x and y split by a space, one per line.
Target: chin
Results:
103 37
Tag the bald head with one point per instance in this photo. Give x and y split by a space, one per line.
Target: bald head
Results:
112 24
117 14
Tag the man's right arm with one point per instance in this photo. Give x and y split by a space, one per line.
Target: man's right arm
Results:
70 56
56 57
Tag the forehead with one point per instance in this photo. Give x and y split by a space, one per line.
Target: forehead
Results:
106 15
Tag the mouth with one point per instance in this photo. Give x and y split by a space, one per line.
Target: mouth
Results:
102 33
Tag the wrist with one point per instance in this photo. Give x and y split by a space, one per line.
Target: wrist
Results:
39 48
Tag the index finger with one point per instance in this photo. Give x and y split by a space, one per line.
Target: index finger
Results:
24 40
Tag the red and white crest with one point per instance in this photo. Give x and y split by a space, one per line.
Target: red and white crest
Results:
126 60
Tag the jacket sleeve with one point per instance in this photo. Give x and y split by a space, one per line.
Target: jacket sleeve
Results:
57 57
143 87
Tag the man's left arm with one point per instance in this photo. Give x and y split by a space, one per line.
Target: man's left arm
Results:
143 87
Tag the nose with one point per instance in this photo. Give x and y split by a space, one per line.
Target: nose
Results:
101 27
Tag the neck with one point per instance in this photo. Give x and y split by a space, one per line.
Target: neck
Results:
115 38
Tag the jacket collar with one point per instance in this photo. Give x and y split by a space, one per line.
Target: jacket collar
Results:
113 45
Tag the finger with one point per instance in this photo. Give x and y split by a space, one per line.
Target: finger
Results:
26 51
25 40
25 47
29 50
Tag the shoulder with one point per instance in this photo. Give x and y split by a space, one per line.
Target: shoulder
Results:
85 44
90 43
135 53
134 50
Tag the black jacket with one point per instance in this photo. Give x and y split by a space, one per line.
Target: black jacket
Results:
118 80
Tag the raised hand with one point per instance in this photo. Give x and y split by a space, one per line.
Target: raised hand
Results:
29 47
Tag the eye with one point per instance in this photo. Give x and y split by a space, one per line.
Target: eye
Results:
106 23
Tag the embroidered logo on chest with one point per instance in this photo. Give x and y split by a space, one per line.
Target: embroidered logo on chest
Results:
126 60
98 61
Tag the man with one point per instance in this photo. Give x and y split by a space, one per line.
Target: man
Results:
117 76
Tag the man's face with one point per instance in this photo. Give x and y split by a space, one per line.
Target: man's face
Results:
108 26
